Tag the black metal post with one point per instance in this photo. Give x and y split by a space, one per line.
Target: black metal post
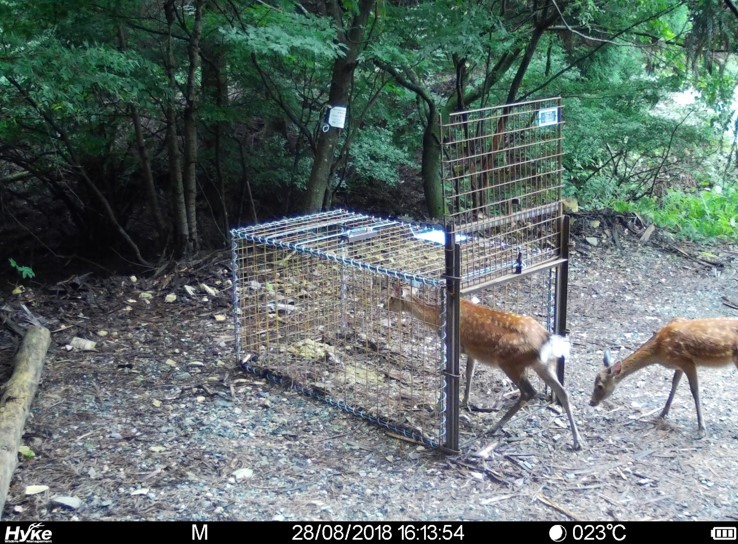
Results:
562 292
453 294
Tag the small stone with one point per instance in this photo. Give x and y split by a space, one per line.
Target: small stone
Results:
73 503
36 489
243 473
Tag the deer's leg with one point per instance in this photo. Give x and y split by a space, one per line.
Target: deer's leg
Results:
691 372
674 383
550 379
527 392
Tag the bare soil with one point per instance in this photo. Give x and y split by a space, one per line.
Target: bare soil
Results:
158 423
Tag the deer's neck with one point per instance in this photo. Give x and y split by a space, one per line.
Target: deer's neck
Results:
428 313
643 357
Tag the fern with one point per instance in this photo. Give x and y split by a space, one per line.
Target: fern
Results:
25 271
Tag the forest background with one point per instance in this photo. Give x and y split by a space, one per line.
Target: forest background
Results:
144 130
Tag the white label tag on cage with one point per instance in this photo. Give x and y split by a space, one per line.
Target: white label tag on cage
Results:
436 236
337 117
548 116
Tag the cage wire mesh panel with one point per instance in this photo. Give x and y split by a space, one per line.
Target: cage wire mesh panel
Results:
533 294
311 298
501 171
501 174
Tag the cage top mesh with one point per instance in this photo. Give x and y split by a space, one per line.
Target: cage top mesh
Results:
387 246
409 251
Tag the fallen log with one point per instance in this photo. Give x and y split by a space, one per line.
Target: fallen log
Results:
16 400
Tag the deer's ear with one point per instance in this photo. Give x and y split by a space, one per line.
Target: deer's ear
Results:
607 361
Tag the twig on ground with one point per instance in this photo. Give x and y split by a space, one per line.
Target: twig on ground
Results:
549 502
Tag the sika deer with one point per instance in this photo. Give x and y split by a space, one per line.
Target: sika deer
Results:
684 345
506 340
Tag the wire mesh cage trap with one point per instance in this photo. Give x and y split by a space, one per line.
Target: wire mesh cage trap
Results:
312 311
315 296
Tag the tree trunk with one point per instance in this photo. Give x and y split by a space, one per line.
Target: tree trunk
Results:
246 193
320 173
192 103
540 27
176 186
16 401
214 89
343 72
431 166
148 176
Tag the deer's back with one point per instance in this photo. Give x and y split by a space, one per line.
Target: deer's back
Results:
709 341
491 336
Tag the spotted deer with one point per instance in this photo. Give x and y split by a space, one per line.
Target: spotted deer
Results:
511 342
684 345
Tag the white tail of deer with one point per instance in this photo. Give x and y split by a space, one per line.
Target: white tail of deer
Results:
684 345
500 339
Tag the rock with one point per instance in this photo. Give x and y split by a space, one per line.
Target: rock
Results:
36 489
591 240
243 473
73 503
83 344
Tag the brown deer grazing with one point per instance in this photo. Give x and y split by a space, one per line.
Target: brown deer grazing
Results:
506 340
684 345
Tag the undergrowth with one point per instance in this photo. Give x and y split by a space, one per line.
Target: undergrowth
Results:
699 215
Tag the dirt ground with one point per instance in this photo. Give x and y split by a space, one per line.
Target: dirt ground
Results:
159 424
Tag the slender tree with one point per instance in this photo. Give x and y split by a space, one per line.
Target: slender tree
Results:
352 37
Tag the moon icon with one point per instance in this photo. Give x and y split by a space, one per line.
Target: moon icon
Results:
557 533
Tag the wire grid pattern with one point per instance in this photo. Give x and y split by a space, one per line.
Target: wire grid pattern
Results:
501 171
311 292
312 313
390 247
533 294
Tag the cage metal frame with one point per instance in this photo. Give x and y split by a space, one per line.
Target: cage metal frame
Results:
504 221
334 237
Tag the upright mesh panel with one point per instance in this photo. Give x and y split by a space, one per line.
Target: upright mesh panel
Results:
501 172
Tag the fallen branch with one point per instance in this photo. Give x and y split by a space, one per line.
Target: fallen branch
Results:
16 401
11 325
555 506
701 260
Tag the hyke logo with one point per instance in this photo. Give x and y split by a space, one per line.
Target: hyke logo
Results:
33 534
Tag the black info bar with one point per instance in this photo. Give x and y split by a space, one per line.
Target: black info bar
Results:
272 532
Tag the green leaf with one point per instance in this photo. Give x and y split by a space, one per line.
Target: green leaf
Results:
26 452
